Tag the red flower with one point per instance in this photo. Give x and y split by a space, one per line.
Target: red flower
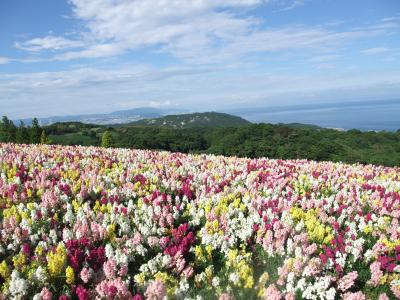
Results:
96 258
82 293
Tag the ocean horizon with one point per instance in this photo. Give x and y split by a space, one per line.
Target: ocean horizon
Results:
376 116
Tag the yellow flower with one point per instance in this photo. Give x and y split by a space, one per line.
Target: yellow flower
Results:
162 276
4 269
70 275
264 278
75 205
39 250
215 225
391 245
198 252
245 274
140 278
316 231
57 261
19 260
97 206
209 272
111 231
209 250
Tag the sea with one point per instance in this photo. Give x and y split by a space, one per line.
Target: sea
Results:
366 116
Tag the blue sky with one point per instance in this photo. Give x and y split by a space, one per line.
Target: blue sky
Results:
95 56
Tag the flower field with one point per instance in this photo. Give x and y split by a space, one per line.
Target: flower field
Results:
93 223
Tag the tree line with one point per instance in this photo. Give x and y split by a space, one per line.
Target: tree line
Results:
34 134
269 140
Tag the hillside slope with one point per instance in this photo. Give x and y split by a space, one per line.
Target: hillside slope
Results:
185 121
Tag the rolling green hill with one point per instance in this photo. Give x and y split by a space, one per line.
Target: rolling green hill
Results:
186 121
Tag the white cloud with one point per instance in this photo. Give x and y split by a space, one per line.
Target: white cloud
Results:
198 31
376 50
293 5
324 58
4 60
160 103
48 43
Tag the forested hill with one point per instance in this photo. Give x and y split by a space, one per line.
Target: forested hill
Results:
249 140
184 121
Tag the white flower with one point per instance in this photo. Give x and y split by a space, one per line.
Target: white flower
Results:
53 236
183 285
234 277
37 297
330 294
215 281
120 257
40 275
18 286
109 251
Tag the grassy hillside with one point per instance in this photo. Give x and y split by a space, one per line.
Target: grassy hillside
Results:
185 121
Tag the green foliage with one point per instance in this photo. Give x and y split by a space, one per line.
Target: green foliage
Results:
107 140
74 139
22 135
70 127
44 139
263 140
8 130
35 132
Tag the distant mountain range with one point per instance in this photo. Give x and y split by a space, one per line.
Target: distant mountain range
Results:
185 121
116 117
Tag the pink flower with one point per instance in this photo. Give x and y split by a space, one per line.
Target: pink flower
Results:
383 297
49 199
290 296
311 249
395 288
298 266
187 272
46 294
272 293
137 239
156 290
86 274
123 271
164 241
354 296
152 241
376 273
115 288
225 296
109 268
347 281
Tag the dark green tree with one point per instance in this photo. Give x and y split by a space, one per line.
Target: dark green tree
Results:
7 130
22 136
36 131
